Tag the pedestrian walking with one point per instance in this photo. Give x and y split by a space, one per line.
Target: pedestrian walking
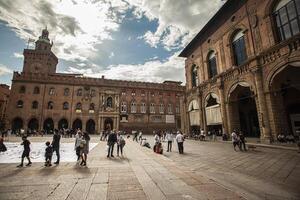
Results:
2 145
120 143
140 136
135 136
48 154
26 151
56 144
78 138
180 139
112 139
235 140
170 139
85 148
242 141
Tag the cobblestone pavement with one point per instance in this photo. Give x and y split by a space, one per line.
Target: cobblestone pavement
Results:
262 173
206 171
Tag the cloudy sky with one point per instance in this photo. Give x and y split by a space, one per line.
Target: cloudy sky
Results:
121 39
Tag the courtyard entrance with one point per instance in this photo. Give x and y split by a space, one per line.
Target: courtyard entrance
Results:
90 126
243 111
48 125
33 125
285 87
17 125
108 124
63 124
77 124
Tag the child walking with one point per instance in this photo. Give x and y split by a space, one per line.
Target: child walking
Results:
48 154
26 151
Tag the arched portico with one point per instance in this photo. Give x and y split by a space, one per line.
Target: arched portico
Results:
213 113
243 115
194 117
284 98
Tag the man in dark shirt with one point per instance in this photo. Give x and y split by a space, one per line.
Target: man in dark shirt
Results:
112 139
26 151
55 145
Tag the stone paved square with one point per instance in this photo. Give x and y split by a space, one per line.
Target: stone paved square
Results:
207 170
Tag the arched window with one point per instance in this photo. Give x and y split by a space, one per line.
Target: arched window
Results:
78 107
212 64
50 105
65 106
35 105
109 102
92 106
20 104
133 107
51 91
93 93
161 108
143 107
66 92
239 48
36 90
123 107
22 89
79 92
177 108
287 18
194 76
170 110
152 108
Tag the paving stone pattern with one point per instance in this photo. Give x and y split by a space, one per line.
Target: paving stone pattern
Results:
141 174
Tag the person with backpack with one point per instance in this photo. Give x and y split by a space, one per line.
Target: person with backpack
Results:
120 143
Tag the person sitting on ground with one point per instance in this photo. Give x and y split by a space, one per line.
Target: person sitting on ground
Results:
2 145
202 135
281 138
48 154
145 143
290 138
26 151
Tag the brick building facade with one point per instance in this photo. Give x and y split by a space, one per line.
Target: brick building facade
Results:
4 99
243 69
42 99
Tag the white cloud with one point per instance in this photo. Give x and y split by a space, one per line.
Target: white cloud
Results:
111 55
75 26
18 55
179 21
153 71
5 70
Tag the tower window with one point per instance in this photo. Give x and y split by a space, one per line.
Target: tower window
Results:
22 89
212 64
35 105
50 105
36 90
20 104
194 74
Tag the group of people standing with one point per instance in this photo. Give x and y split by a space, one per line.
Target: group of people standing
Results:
81 149
115 137
169 137
238 139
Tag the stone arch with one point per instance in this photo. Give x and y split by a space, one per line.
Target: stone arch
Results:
194 116
279 68
91 126
63 123
213 117
243 83
77 124
48 125
17 124
243 109
270 7
33 124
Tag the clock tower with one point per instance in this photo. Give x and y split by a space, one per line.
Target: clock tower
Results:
40 59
